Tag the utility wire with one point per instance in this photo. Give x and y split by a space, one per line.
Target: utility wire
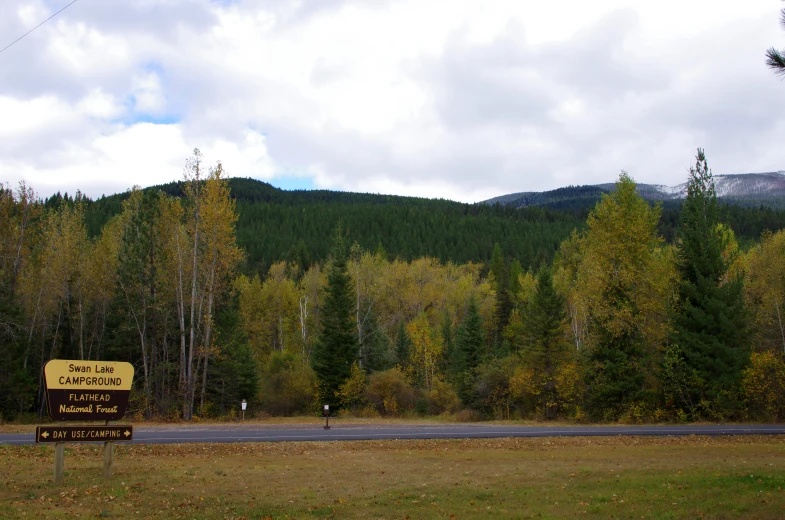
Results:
39 25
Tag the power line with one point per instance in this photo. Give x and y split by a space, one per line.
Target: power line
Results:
39 25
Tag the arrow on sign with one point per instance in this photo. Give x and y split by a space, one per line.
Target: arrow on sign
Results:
127 433
45 435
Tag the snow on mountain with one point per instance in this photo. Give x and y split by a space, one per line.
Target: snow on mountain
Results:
749 187
744 185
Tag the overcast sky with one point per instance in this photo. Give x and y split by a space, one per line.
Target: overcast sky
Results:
457 99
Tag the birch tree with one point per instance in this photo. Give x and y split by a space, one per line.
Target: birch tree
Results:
194 175
625 286
765 291
138 276
221 254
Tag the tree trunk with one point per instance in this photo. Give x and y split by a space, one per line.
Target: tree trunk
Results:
51 355
22 225
81 328
357 320
779 320
303 317
141 329
32 327
190 392
153 328
208 327
181 309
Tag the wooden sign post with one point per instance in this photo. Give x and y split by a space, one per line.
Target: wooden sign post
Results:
59 462
86 391
108 458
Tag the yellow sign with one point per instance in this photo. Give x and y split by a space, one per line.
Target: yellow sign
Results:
64 374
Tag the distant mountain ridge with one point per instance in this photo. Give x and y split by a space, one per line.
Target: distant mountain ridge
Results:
744 189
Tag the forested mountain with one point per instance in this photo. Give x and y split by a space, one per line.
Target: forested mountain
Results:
746 189
570 196
276 224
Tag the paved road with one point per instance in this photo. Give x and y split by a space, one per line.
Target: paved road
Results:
345 432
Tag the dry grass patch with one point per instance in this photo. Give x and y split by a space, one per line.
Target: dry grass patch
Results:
306 420
619 477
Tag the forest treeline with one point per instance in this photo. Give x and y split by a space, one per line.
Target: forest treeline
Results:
541 315
296 226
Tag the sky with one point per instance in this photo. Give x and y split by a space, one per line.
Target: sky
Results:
454 99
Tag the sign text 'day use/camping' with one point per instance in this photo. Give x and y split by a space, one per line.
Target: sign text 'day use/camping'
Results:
83 433
87 390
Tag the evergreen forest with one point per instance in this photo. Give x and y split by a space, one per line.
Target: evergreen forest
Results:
221 289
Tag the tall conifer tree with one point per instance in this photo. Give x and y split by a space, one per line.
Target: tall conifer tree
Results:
403 344
448 339
709 326
336 348
138 275
468 349
545 347
498 269
514 285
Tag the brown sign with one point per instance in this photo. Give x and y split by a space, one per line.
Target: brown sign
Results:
87 390
87 405
83 433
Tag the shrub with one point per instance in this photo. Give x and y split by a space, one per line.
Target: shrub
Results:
524 390
288 385
568 390
390 392
468 416
442 398
637 412
764 385
351 394
492 387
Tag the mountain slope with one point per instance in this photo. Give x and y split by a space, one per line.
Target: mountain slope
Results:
746 189
276 224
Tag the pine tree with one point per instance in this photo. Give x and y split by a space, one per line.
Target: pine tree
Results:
138 275
376 347
544 342
710 325
235 373
469 342
498 270
775 59
448 339
514 286
403 344
336 348
615 374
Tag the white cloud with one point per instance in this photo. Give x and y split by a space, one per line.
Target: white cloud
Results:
417 97
144 154
148 93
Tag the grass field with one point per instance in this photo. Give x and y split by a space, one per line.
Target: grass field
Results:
619 477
